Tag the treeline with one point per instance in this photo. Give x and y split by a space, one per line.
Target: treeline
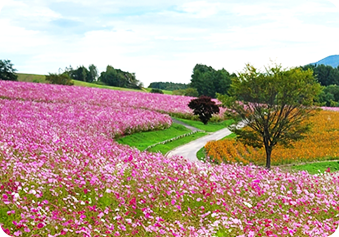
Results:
110 77
205 80
328 77
170 86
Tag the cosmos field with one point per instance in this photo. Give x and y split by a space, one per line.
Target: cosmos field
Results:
62 174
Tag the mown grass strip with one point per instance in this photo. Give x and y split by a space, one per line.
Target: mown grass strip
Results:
318 167
144 139
210 126
164 148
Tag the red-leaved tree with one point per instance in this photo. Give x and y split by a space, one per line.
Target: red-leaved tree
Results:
204 107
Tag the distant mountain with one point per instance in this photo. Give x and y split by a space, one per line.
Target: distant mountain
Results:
332 60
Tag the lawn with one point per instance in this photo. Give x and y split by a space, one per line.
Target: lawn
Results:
210 126
142 140
164 148
318 167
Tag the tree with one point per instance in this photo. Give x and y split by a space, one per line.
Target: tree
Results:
61 79
93 73
7 72
208 81
117 77
204 107
274 104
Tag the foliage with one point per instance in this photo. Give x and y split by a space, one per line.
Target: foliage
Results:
170 86
322 143
204 107
329 96
61 79
326 75
273 104
82 73
208 81
117 77
154 90
7 72
192 92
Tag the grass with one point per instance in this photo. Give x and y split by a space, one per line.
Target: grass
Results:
164 148
201 154
88 84
231 136
42 79
144 139
210 126
31 77
165 91
318 167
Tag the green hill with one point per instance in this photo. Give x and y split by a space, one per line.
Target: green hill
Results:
42 79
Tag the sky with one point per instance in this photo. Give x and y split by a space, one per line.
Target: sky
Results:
163 40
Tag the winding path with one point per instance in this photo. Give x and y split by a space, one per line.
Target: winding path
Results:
189 150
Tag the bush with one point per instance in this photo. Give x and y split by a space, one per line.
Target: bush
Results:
61 79
154 90
204 107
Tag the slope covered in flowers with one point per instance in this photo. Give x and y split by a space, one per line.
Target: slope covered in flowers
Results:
63 174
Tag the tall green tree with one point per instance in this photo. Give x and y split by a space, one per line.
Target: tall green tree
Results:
209 81
275 105
7 72
93 73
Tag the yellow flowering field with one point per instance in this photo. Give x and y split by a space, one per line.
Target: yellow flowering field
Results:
322 143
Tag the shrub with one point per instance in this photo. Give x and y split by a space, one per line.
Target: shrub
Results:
155 90
61 79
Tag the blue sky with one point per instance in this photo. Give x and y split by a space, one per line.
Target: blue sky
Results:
163 40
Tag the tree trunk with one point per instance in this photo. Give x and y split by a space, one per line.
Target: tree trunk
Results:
268 157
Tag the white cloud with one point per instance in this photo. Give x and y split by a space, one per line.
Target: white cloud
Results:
200 9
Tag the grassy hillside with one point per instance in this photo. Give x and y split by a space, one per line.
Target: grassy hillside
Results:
165 91
42 79
31 77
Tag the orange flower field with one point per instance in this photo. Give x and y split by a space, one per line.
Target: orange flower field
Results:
322 143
